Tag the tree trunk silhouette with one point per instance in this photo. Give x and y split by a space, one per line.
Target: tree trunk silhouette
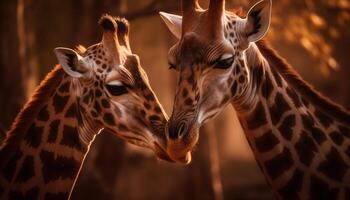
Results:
214 159
198 176
11 95
27 47
203 174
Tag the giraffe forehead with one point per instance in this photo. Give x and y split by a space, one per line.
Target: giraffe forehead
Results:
104 62
98 55
103 66
193 49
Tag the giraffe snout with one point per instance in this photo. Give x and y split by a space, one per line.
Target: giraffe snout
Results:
182 137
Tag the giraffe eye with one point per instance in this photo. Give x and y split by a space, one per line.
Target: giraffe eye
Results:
116 88
171 66
224 62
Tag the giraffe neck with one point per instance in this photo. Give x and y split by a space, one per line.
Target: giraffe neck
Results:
302 150
42 155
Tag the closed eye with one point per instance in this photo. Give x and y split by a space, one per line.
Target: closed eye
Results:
224 62
171 66
116 88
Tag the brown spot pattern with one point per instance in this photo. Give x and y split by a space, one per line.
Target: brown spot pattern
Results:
278 108
71 110
56 166
70 138
53 131
33 135
287 126
43 114
293 186
334 166
59 102
257 118
109 119
279 164
319 189
266 142
27 170
305 148
9 169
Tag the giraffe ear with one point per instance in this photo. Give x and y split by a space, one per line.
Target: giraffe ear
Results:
258 20
173 22
70 62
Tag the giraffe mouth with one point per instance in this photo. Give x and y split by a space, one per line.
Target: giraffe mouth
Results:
161 153
183 159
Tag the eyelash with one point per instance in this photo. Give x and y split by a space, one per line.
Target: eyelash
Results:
116 90
223 63
171 66
219 64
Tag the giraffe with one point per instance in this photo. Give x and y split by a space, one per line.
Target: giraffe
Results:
101 87
300 139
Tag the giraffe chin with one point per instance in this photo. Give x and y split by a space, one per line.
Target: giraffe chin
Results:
186 159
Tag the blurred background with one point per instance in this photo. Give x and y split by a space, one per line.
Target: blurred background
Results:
312 34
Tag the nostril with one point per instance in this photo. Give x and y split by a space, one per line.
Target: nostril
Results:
176 131
181 130
172 132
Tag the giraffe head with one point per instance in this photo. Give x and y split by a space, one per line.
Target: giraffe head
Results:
113 90
210 57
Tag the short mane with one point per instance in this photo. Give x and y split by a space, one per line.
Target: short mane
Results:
298 83
25 117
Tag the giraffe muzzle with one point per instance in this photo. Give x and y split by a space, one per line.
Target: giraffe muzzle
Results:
181 140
